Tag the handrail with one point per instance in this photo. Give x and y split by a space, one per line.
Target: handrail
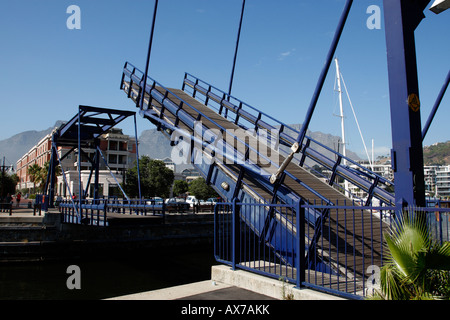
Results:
345 172
200 142
104 206
257 120
176 110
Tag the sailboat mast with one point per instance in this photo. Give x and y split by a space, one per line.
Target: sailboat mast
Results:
338 76
344 151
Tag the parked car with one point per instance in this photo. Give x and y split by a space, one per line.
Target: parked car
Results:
211 201
155 200
205 206
176 205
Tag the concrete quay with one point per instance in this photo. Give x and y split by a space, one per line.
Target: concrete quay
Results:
226 284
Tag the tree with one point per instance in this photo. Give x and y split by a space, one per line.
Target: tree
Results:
201 190
43 173
180 187
34 171
417 268
8 184
156 179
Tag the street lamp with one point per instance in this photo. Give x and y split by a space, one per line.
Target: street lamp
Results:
439 6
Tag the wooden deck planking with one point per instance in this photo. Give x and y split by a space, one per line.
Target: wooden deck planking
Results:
340 226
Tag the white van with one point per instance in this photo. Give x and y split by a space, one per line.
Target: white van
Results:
191 200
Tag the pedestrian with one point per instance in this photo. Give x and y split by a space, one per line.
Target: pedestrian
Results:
8 201
18 196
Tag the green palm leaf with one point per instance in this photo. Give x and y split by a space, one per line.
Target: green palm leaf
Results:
416 268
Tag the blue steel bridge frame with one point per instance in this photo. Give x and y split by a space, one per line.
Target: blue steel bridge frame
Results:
401 17
82 131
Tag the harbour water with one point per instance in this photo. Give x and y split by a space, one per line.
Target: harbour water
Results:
106 276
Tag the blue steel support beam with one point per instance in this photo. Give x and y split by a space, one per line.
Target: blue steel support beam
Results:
137 157
296 147
236 48
50 182
401 19
149 53
97 169
80 187
324 72
436 106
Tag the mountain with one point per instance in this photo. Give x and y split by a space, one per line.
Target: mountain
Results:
15 147
332 142
151 143
437 154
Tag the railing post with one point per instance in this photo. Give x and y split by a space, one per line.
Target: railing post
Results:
300 225
235 232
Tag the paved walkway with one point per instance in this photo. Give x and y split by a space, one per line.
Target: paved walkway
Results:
21 211
203 290
226 284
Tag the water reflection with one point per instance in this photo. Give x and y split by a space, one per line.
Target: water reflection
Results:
105 277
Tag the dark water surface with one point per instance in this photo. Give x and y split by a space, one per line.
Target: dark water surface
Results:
107 276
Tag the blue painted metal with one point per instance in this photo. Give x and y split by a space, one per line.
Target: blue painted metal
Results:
401 19
137 157
80 187
95 212
352 278
155 10
216 174
237 47
270 226
324 72
82 131
55 150
99 152
245 117
436 106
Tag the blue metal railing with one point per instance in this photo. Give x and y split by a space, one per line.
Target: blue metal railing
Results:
249 117
95 212
243 240
134 77
344 259
131 84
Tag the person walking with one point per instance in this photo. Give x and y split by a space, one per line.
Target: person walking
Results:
9 199
18 196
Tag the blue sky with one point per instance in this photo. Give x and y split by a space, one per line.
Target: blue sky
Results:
48 70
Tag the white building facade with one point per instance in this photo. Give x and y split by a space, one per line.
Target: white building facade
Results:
119 151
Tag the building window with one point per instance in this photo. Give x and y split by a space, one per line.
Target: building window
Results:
113 145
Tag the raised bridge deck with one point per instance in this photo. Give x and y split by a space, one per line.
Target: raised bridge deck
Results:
334 230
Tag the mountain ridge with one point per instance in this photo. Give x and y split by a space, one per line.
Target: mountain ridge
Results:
19 144
157 146
437 154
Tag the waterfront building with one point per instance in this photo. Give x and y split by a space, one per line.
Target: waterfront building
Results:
430 179
190 174
38 154
443 182
118 149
